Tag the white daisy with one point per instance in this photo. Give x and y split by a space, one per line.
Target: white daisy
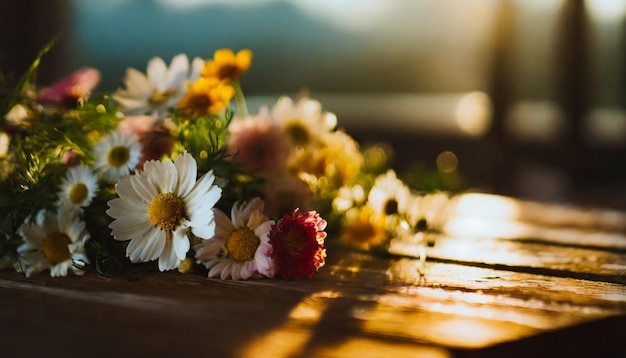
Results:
428 211
304 122
389 196
78 188
157 208
240 248
54 241
116 155
160 89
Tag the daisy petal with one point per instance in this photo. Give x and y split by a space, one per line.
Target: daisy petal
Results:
157 70
180 243
204 232
177 73
154 243
143 188
187 170
168 259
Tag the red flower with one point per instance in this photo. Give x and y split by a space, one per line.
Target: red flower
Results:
298 245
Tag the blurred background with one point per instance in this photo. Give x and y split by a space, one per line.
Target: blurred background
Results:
516 97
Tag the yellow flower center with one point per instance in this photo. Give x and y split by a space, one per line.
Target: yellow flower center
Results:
55 247
298 133
166 211
391 207
242 244
78 193
118 156
294 242
158 98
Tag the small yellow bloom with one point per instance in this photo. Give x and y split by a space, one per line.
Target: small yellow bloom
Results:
206 96
186 266
228 66
362 230
335 157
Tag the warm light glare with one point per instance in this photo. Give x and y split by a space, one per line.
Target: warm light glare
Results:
606 127
485 206
447 162
424 321
485 249
364 348
535 121
485 228
283 342
331 120
473 114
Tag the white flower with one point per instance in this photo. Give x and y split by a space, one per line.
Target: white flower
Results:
156 209
428 211
389 196
240 248
304 122
116 155
17 115
162 88
78 188
5 142
54 241
348 197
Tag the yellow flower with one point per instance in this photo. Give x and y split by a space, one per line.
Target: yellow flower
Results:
362 230
206 96
336 158
228 66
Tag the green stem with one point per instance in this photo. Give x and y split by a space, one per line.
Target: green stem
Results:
242 109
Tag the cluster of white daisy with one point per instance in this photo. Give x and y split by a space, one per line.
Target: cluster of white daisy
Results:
156 164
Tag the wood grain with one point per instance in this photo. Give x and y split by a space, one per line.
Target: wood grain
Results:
483 296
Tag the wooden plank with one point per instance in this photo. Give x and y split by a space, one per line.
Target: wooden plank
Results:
357 305
523 256
503 208
545 289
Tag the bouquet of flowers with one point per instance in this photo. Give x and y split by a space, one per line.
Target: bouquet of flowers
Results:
166 171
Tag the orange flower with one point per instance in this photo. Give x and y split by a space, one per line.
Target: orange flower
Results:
206 96
227 66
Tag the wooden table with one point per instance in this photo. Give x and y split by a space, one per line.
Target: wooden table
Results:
553 285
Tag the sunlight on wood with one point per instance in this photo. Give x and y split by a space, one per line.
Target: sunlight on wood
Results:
290 338
485 206
497 207
284 342
364 348
479 228
449 329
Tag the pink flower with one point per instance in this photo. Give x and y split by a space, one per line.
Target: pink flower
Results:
298 245
70 158
154 136
72 89
258 145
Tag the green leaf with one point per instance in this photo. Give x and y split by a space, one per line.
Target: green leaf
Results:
24 81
